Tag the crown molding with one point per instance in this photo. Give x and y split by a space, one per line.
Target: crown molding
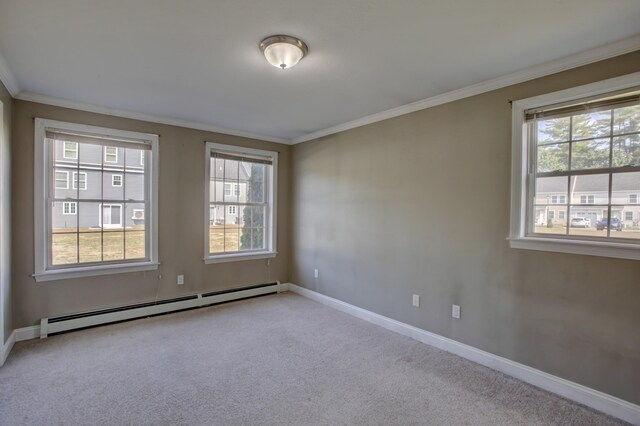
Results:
573 61
7 78
65 103
607 51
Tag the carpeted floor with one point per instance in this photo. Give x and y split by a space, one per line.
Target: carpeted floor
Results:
274 360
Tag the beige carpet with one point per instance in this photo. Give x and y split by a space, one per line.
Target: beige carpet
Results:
275 360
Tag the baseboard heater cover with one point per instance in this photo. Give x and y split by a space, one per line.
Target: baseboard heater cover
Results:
49 326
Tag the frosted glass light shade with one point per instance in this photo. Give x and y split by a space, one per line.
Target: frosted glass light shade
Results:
283 51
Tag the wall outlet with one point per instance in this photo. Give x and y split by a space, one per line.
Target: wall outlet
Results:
316 273
416 300
180 279
455 311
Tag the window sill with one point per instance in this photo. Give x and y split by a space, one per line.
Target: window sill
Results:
91 271
590 248
222 258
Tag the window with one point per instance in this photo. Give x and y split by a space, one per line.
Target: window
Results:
80 181
628 215
585 143
561 214
69 208
142 158
70 150
587 199
633 198
110 154
240 209
106 223
62 180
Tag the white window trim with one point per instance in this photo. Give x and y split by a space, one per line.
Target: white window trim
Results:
100 213
55 179
517 235
105 154
76 181
113 180
270 250
41 179
64 150
70 203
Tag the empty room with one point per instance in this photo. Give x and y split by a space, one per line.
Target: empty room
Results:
319 212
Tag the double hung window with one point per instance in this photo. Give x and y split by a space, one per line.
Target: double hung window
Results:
240 203
105 221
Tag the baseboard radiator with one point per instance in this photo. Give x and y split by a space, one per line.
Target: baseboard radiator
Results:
49 326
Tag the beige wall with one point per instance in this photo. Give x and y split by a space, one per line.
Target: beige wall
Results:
419 204
181 233
6 325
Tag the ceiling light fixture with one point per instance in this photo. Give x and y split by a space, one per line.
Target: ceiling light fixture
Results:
283 51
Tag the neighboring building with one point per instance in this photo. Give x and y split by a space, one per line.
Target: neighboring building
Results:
230 182
93 173
588 196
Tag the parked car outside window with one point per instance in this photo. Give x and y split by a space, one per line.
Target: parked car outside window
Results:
580 222
615 224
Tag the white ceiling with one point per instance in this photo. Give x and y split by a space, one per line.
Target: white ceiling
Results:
198 60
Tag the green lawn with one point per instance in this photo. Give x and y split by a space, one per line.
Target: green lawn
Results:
113 244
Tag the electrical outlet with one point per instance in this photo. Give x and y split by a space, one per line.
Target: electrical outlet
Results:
416 300
316 273
455 311
180 279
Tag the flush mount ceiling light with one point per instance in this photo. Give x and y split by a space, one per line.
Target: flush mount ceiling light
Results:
283 51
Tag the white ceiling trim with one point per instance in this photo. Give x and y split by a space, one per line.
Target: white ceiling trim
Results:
573 61
7 77
65 103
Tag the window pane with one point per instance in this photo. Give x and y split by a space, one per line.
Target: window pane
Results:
231 229
629 222
252 235
588 221
90 154
553 157
134 186
626 120
626 150
113 245
591 125
135 215
231 174
590 189
216 237
111 191
554 130
64 249
625 188
551 190
134 245
217 175
90 247
550 219
64 217
592 154
89 216
133 159
253 182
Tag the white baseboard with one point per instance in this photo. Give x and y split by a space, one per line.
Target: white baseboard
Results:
37 331
6 348
27 333
590 397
